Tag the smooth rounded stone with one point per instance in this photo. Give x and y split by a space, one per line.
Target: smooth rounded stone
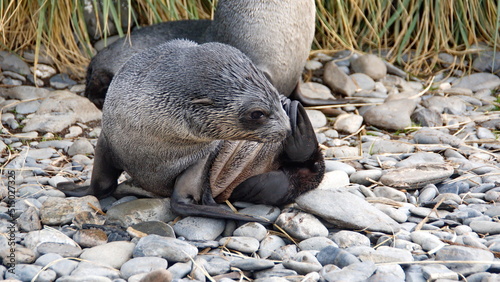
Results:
53 181
28 107
60 110
278 271
301 225
363 81
337 80
427 135
460 253
427 117
345 239
334 179
449 197
360 271
74 131
390 193
11 62
348 123
303 263
89 278
406 245
397 215
381 146
388 273
449 105
262 211
55 262
199 228
438 271
180 269
370 65
140 210
86 269
65 250
88 238
392 115
38 154
26 272
142 265
34 239
420 158
26 92
484 133
171 249
317 91
493 211
61 81
418 176
269 245
387 254
213 264
252 264
113 254
251 229
239 243
342 152
454 188
477 81
155 275
331 165
284 252
492 196
362 176
58 211
346 210
154 227
316 244
428 212
428 193
29 220
336 256
317 118
22 255
81 146
428 241
58 144
483 226
43 71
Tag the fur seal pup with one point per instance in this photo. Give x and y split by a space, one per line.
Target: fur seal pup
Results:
276 34
201 122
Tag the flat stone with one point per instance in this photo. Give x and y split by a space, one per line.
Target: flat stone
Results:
421 158
28 107
313 90
303 263
460 253
427 117
317 118
142 265
262 211
113 254
346 210
362 176
418 176
387 254
140 210
334 179
485 227
269 245
337 80
252 264
360 271
438 271
55 262
450 105
478 81
11 62
239 243
428 241
58 211
392 115
390 193
171 249
371 65
81 146
61 81
331 165
316 244
251 229
154 227
363 81
199 228
345 239
301 225
348 123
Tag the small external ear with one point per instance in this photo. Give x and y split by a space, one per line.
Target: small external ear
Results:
203 101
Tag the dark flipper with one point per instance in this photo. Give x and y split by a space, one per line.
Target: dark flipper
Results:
104 175
270 188
192 195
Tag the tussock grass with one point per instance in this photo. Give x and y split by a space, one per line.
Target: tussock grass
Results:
409 32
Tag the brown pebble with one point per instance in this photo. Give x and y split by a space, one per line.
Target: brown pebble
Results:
160 275
88 238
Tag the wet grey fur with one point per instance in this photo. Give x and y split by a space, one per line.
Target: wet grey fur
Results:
169 107
276 34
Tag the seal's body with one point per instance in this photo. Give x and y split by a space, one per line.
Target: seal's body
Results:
198 122
276 34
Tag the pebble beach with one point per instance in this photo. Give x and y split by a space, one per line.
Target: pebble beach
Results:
410 193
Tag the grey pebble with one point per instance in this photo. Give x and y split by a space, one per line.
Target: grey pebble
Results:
154 227
268 212
331 165
142 265
336 256
390 193
438 271
173 250
345 239
252 264
371 65
180 269
65 250
381 146
61 81
199 228
316 244
362 176
88 238
387 254
348 123
392 115
459 253
276 271
337 80
317 118
251 229
26 272
28 107
303 263
81 146
363 81
86 269
478 81
449 105
140 210
301 225
11 62
417 176
113 254
360 271
420 158
284 252
269 245
242 244
482 226
434 136
57 210
428 241
55 262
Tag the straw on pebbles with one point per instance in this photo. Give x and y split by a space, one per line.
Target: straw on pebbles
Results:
410 193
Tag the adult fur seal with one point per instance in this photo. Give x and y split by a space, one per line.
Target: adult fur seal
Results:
198 122
276 34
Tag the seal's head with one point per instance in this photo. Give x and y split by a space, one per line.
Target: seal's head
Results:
202 93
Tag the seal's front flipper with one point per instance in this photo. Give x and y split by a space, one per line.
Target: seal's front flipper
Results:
302 143
192 195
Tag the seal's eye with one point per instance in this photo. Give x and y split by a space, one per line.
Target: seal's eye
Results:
256 114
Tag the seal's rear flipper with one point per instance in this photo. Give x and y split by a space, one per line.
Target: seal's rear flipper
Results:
189 209
70 189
